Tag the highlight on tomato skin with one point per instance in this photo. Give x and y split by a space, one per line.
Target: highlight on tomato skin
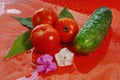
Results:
44 16
45 38
67 29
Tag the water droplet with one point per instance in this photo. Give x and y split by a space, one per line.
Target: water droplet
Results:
34 67
28 52
118 77
23 64
19 58
19 70
103 76
28 76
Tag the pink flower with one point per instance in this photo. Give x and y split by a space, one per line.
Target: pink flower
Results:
46 63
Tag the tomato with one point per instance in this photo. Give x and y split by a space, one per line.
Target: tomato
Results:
45 38
44 16
67 29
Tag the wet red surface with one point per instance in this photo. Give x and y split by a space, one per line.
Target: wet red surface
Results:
103 64
86 6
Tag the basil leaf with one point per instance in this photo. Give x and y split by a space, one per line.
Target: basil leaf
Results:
25 21
21 44
65 13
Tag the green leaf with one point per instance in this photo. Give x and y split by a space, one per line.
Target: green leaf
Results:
21 44
65 13
25 21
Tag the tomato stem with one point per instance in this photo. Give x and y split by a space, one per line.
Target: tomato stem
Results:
66 29
38 18
41 32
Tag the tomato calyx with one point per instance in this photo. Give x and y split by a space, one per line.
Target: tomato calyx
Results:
41 32
38 18
66 29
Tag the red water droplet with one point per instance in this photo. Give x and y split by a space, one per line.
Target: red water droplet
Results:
23 64
28 76
118 77
83 79
19 58
34 67
19 70
35 56
28 52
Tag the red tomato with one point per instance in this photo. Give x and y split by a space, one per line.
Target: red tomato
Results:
44 16
45 38
67 29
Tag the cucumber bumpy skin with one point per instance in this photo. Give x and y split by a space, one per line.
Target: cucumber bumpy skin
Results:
93 31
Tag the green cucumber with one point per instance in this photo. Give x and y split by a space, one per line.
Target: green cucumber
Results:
93 31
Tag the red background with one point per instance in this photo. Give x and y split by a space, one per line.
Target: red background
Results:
86 6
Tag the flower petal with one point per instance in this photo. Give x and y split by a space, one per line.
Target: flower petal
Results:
40 60
40 68
45 58
52 67
69 55
59 59
48 70
68 62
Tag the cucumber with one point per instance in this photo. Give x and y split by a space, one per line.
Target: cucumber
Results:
93 32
